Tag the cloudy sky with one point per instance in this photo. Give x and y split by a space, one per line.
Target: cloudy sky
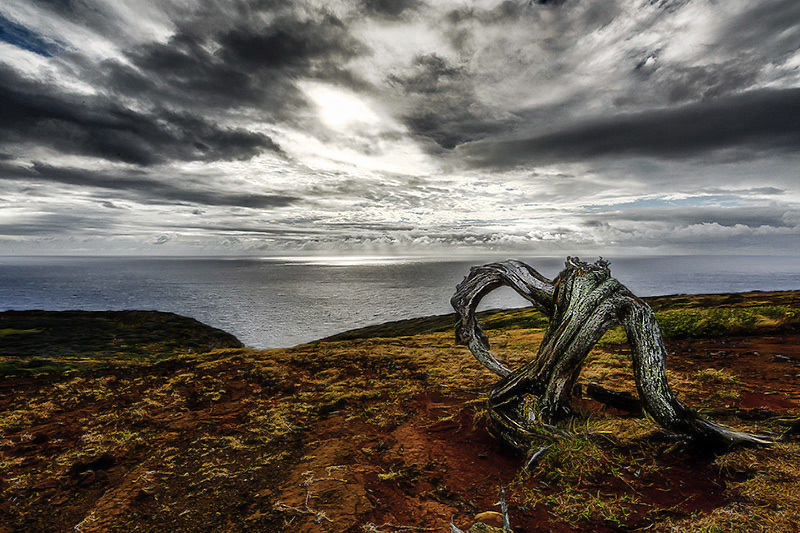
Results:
399 126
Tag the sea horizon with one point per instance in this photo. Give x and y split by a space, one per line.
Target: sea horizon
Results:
282 301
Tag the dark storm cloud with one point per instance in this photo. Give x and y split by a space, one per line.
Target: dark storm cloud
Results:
182 74
756 121
238 65
443 105
287 43
390 8
99 126
643 94
143 187
760 37
511 10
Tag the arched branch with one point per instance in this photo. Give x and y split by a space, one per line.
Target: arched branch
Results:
482 280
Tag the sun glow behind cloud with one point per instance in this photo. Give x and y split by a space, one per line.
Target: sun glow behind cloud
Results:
340 109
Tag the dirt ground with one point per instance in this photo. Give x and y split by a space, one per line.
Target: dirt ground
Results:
388 435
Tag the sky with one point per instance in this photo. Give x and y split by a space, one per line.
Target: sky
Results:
283 127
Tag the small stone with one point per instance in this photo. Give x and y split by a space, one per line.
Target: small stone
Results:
490 518
781 359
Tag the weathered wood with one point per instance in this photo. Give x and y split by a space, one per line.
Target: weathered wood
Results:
583 302
482 280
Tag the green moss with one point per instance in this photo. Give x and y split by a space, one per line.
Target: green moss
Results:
35 367
710 322
615 335
716 377
702 322
11 331
103 334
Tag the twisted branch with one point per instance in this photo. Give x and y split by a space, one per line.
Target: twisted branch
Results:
583 302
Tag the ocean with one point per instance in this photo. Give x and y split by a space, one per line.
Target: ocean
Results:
281 302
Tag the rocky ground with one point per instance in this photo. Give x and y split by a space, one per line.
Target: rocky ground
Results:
384 431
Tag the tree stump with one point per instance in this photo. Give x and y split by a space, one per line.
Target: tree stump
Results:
583 302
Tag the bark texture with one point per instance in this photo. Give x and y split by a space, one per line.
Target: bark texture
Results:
583 302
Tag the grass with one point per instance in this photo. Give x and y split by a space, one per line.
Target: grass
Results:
37 367
579 483
34 343
712 322
11 331
686 323
765 498
234 438
27 334
573 487
714 376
